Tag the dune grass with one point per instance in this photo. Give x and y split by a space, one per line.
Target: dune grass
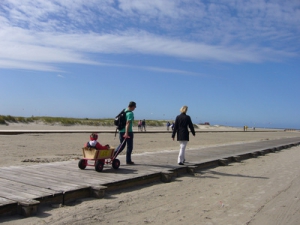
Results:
5 120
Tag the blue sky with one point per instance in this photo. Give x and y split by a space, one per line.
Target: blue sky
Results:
231 62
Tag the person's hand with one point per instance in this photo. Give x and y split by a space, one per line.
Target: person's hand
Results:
126 135
107 146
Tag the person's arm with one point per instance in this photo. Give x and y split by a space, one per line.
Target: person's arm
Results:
129 120
101 147
191 125
175 128
127 129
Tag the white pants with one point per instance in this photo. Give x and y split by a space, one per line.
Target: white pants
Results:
181 156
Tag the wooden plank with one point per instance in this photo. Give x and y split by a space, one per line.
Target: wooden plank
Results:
42 181
67 165
26 188
72 166
89 175
16 195
89 172
5 201
33 175
25 206
73 178
56 175
8 206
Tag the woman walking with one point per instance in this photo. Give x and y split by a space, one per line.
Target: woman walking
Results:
182 123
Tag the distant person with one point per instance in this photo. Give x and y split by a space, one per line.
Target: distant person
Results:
168 125
140 126
127 133
144 125
172 126
182 123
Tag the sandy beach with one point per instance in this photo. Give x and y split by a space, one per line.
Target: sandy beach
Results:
28 149
265 190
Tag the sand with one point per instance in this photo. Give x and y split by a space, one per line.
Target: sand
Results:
28 149
265 190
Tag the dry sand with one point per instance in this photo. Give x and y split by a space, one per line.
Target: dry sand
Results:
265 190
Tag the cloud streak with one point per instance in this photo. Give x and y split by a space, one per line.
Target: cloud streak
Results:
46 34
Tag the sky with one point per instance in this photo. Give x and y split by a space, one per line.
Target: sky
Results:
231 62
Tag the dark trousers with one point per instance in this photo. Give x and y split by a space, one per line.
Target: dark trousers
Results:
129 143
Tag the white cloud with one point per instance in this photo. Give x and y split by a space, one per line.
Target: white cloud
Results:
42 33
152 8
15 64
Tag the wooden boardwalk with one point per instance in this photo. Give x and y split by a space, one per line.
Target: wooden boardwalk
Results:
24 188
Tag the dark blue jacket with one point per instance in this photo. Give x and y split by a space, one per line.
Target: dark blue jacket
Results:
182 123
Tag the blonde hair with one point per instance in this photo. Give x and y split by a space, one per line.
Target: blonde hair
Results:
184 109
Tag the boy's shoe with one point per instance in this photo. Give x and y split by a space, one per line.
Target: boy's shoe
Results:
180 163
130 163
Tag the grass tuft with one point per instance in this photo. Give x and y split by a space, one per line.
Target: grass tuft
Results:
4 120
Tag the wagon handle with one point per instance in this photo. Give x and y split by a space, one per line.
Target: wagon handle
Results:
117 152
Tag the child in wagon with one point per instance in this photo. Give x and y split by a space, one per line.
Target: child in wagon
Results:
93 143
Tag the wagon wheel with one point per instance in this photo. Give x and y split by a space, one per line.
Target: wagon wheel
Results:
99 166
116 164
82 164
